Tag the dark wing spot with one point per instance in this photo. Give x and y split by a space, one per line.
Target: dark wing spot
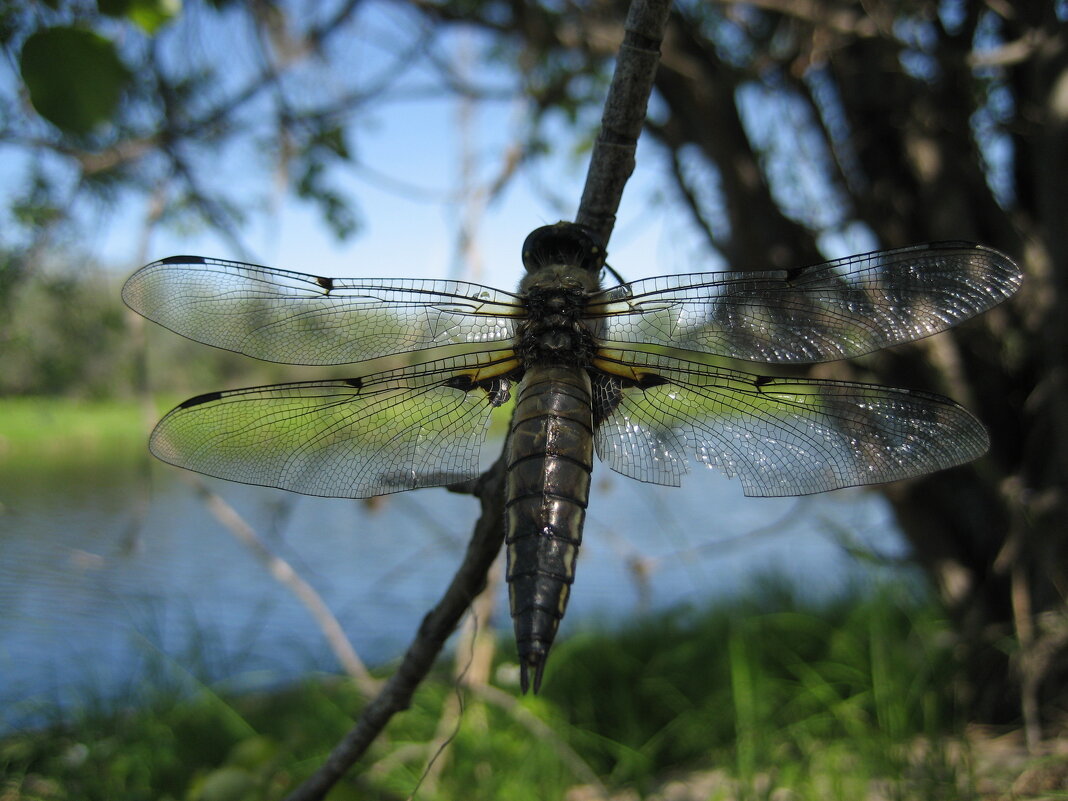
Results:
497 390
325 283
608 390
183 260
207 397
650 380
793 274
762 380
461 382
356 383
607 393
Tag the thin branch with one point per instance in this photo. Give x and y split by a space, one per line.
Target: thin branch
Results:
312 42
284 573
1009 54
689 196
435 629
820 14
612 161
215 212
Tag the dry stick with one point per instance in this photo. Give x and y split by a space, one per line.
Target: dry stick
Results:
284 573
611 164
612 161
544 735
435 629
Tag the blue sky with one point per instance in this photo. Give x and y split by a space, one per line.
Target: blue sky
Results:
406 198
412 232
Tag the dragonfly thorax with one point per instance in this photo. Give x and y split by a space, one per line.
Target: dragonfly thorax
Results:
554 331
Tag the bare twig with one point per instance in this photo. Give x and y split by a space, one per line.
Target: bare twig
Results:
612 161
435 629
478 643
306 594
690 197
544 734
840 20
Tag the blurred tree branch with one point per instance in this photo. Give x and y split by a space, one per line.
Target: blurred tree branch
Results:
180 117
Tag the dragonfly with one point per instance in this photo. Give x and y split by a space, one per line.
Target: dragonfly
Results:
648 374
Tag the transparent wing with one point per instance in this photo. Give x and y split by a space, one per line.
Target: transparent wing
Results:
779 436
288 317
835 310
368 435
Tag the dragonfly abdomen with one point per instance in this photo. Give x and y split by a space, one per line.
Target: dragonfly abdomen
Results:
550 457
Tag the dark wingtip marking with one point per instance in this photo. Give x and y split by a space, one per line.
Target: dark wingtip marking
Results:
357 383
325 283
183 260
953 244
762 380
207 397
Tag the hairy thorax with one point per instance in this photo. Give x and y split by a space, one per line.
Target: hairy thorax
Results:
553 331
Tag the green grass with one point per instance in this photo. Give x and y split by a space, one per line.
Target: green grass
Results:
59 427
50 444
749 681
765 698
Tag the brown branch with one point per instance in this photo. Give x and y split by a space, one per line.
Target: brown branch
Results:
612 161
435 629
824 15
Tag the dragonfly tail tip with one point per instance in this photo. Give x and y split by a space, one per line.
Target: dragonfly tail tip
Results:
533 663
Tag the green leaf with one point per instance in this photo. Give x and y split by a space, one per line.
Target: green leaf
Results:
226 784
333 139
75 77
149 15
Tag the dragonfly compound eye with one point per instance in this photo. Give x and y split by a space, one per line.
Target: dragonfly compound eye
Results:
563 243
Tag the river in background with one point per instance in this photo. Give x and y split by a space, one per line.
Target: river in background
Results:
112 577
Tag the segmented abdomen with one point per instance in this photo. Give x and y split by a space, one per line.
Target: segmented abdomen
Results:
550 457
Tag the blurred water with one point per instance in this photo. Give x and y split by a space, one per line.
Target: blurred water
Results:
106 577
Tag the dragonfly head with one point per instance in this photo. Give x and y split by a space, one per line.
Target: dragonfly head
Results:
563 243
